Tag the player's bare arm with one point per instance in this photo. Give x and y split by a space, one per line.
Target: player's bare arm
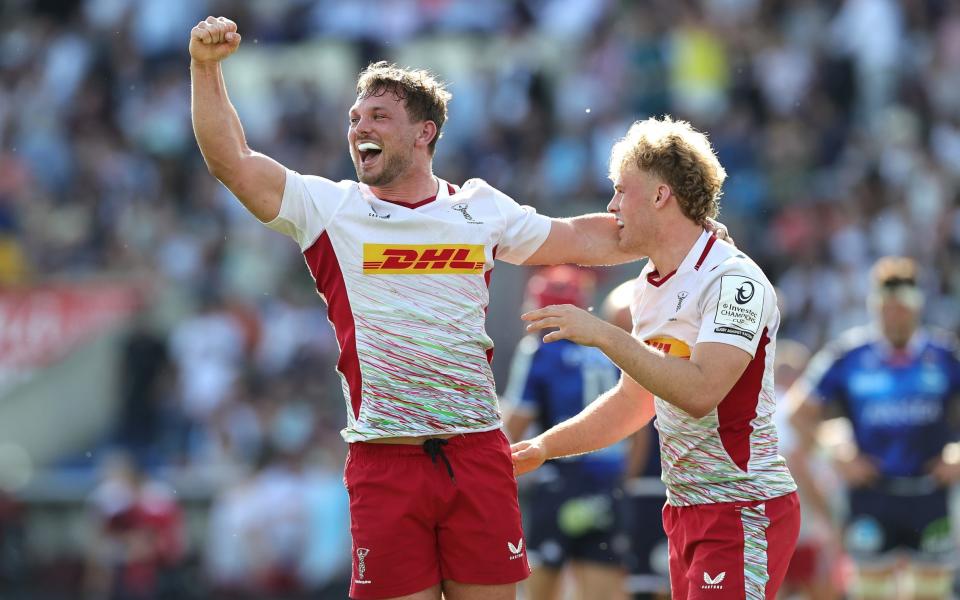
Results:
611 418
806 416
257 180
695 386
593 240
584 240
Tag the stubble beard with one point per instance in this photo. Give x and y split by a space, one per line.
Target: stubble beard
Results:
394 165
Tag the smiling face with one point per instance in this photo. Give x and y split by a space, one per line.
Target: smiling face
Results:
382 139
634 195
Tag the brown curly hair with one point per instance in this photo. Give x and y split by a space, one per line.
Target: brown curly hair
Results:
681 156
425 97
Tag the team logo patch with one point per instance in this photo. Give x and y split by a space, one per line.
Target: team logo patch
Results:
740 307
362 566
417 259
670 346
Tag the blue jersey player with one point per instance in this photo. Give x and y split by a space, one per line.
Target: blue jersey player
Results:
572 517
897 383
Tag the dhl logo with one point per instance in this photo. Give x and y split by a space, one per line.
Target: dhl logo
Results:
414 259
670 346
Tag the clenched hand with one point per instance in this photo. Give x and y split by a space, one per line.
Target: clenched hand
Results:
213 39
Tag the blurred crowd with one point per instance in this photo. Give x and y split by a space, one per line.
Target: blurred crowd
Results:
838 122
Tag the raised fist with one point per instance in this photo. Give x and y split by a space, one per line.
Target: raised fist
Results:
213 39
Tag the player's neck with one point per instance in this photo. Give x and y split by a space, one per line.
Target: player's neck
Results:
673 245
416 185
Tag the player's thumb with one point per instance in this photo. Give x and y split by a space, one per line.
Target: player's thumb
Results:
519 447
232 38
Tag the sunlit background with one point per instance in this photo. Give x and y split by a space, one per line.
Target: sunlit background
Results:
156 340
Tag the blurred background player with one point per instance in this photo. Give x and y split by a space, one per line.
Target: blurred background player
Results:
897 383
815 565
644 492
572 509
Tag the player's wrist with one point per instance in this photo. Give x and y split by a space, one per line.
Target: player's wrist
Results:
211 64
543 442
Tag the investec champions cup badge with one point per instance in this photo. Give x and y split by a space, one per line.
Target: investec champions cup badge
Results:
419 259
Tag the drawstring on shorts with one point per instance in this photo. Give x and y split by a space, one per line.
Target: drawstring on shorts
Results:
434 448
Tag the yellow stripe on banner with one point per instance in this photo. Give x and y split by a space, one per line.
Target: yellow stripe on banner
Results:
423 259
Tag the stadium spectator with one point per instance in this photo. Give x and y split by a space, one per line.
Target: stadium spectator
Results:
705 322
897 383
572 518
139 543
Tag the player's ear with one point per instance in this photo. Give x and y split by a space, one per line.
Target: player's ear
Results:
427 133
663 194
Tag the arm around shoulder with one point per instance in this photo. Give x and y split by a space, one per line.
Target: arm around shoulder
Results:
585 240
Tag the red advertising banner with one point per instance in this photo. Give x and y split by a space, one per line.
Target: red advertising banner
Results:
41 325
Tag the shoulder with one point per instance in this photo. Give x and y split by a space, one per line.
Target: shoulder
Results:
478 189
322 183
725 259
529 345
943 341
851 342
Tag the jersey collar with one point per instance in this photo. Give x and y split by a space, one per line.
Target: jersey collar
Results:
918 341
444 190
692 261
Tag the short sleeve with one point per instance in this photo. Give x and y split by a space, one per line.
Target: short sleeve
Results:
307 206
736 305
524 230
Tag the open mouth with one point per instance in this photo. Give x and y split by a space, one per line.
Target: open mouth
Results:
369 152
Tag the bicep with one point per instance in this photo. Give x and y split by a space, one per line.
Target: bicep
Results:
556 248
257 181
721 366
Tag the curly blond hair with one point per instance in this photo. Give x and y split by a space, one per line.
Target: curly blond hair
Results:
681 156
424 96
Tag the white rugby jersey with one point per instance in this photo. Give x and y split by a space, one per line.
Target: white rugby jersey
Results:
406 287
717 294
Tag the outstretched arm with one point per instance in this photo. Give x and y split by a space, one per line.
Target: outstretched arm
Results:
257 180
585 240
592 240
610 418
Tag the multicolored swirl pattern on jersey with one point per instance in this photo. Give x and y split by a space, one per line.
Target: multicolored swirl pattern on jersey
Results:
407 291
716 295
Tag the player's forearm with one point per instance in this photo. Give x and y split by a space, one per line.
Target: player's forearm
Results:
606 421
675 380
600 241
798 462
215 122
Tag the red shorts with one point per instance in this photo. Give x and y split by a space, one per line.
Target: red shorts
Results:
731 550
414 526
